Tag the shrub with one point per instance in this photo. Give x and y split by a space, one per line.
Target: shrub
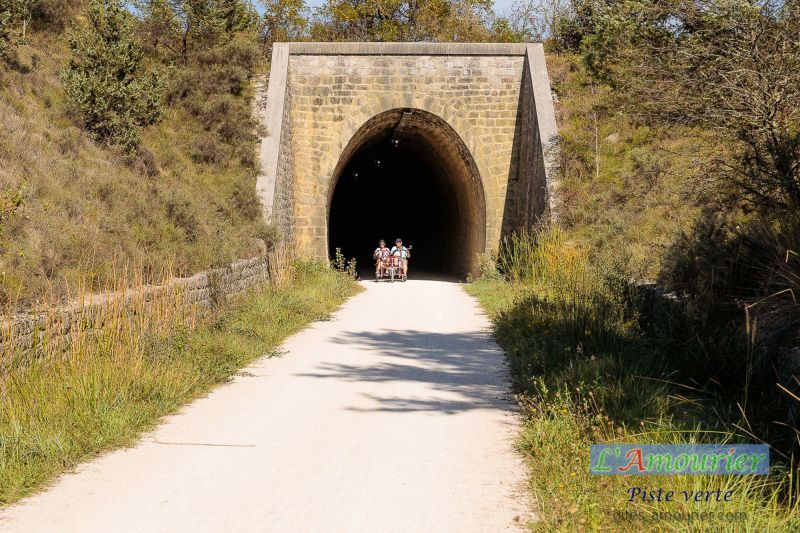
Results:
15 19
106 78
213 87
341 264
587 373
145 163
6 42
206 150
182 214
744 279
54 13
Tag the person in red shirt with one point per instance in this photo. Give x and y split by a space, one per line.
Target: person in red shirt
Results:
381 255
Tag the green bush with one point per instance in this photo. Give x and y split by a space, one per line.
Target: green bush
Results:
15 21
586 372
106 78
213 86
6 45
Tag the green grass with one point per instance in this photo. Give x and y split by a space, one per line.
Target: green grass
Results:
108 389
587 373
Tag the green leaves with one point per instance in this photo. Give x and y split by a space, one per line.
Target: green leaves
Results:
730 67
403 20
15 17
284 20
106 78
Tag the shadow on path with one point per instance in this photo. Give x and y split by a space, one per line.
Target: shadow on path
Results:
461 371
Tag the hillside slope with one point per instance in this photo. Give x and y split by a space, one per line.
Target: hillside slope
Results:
628 190
77 216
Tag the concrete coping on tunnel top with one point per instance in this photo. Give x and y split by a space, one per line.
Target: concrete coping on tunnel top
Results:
416 49
273 114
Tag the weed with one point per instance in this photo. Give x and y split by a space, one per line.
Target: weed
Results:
65 402
587 373
343 265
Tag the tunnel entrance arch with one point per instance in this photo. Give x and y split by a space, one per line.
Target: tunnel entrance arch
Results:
495 96
406 173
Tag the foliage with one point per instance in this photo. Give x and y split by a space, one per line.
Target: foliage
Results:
90 213
213 51
722 77
11 201
731 68
343 265
401 20
106 78
215 87
283 20
627 190
589 371
183 28
15 18
110 386
537 20
744 279
182 200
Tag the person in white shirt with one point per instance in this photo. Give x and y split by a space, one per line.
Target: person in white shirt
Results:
400 251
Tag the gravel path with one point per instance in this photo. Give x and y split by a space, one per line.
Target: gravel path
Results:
393 416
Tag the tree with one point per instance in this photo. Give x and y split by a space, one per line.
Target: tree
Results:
159 28
213 50
184 27
537 20
403 20
731 67
15 18
284 20
106 78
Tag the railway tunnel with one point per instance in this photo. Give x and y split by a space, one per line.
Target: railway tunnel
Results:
406 173
450 146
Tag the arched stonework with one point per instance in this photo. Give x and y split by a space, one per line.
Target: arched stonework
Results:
494 97
431 140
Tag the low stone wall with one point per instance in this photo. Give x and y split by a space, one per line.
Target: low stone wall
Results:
206 289
661 311
664 313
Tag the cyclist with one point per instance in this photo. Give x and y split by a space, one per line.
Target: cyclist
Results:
381 254
400 251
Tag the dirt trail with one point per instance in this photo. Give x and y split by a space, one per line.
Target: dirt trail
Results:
393 416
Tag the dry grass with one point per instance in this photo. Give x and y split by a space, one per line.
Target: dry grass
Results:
627 190
70 211
586 373
64 403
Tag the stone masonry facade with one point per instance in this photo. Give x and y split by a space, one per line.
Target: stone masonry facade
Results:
320 94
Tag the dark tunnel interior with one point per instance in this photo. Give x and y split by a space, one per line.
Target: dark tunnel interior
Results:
407 174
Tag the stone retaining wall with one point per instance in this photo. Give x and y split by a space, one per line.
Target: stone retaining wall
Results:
206 289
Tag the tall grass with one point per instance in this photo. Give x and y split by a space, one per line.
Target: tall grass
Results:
587 373
70 209
64 403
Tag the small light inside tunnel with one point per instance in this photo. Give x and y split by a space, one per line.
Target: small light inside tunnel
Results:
377 162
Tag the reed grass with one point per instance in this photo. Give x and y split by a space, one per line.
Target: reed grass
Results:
63 403
586 373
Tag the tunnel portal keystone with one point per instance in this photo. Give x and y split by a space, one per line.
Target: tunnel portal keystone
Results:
493 98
